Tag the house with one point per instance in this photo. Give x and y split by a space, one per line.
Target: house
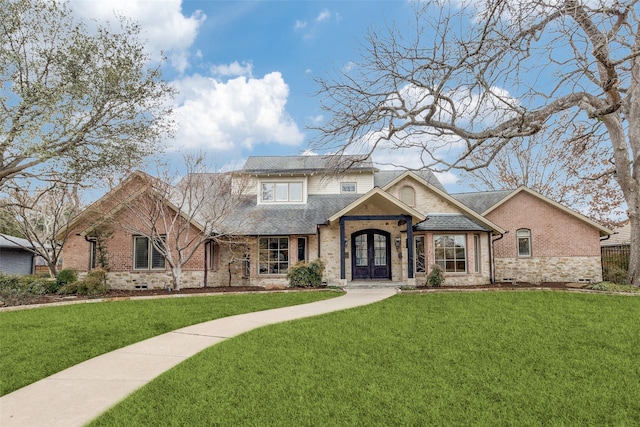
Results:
14 258
365 224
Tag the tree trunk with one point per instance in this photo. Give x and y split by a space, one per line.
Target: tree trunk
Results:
634 255
176 275
53 269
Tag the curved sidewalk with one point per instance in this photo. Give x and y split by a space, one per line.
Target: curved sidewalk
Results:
78 394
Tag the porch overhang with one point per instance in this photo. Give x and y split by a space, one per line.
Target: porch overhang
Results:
385 202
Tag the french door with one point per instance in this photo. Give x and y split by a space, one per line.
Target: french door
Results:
370 255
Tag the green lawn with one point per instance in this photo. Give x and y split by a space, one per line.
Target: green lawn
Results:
39 342
508 358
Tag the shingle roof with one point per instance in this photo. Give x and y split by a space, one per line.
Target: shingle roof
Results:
305 164
284 219
449 222
382 178
481 201
7 241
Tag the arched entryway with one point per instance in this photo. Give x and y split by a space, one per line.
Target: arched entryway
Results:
370 255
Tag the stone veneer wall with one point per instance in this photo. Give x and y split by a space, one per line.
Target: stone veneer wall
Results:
549 269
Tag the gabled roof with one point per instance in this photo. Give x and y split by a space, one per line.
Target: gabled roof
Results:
383 199
264 165
449 222
471 214
383 178
603 230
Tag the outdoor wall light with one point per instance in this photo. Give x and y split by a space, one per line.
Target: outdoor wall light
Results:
346 242
397 242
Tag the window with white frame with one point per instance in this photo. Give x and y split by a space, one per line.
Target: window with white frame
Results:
145 255
420 254
282 192
524 242
476 252
450 252
348 187
273 253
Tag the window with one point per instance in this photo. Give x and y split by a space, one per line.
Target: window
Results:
93 254
524 242
348 187
408 196
282 191
476 252
145 256
302 249
274 255
246 264
212 255
450 252
419 255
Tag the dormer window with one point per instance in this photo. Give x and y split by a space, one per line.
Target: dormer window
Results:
348 187
280 192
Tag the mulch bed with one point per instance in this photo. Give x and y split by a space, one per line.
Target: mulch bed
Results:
125 294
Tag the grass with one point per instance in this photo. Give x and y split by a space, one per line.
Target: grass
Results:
39 342
512 358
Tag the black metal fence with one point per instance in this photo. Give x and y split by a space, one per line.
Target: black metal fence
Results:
615 263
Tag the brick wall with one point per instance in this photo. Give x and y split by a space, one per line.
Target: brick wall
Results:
563 248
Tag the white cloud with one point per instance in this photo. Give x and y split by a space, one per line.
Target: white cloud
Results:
323 16
234 69
238 113
165 28
299 25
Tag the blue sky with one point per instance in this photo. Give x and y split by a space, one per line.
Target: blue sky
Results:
245 69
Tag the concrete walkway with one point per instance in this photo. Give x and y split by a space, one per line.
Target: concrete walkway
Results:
77 395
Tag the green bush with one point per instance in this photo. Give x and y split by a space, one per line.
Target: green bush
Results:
616 275
435 277
66 276
16 290
303 275
95 283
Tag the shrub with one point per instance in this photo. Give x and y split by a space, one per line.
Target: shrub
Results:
16 290
303 275
95 283
66 276
615 274
435 277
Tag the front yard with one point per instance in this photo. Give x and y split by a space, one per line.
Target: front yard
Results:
39 342
496 358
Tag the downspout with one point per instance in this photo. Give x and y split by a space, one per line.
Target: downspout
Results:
206 264
318 238
492 266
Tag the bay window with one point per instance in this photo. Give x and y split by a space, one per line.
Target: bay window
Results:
450 252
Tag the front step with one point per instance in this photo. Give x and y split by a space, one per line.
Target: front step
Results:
374 284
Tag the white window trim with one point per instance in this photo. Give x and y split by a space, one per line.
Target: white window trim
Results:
528 236
355 187
466 253
297 180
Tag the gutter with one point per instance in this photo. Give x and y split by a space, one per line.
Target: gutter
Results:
492 266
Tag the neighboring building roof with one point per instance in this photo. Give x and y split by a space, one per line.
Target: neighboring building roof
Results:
7 241
481 202
283 219
383 178
262 165
621 236
449 222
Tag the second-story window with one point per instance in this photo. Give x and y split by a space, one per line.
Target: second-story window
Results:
347 187
282 191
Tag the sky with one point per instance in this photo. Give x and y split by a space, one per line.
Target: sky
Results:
245 69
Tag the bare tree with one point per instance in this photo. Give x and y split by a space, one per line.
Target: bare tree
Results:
42 216
571 171
179 219
474 75
79 102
